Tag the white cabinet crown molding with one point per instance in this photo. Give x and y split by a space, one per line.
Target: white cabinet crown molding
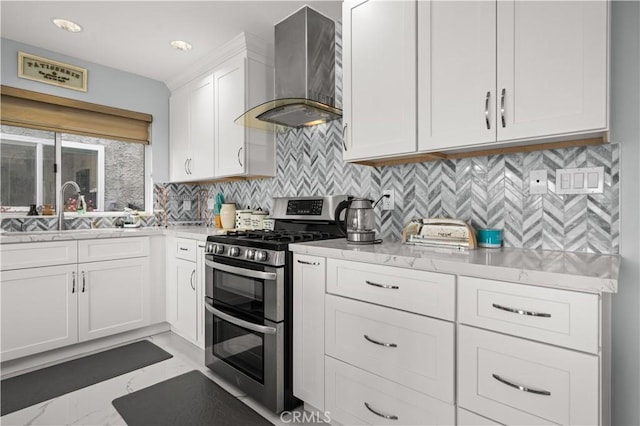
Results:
256 47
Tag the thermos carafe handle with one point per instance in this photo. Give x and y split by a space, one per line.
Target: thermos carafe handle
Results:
343 205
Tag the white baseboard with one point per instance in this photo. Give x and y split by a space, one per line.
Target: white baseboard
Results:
25 364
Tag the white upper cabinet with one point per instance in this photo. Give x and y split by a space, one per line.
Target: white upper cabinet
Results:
191 122
241 83
552 67
201 125
379 51
486 73
456 73
179 134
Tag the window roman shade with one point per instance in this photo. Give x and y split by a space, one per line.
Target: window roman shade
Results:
24 108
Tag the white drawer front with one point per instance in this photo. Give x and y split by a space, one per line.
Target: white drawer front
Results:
564 318
29 255
467 418
349 388
112 249
186 249
562 385
413 350
422 292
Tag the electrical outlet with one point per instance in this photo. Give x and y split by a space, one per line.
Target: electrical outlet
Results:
389 203
538 182
210 203
186 204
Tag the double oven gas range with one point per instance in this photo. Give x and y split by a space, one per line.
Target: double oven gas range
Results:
249 301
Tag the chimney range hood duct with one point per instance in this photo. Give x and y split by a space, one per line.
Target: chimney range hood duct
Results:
304 75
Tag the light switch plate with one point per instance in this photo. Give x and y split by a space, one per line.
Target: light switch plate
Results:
210 203
186 204
585 180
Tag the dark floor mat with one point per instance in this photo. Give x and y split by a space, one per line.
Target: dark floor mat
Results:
189 399
37 386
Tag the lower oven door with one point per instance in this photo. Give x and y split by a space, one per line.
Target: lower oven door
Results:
248 354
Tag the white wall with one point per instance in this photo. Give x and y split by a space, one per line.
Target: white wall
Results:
625 129
106 86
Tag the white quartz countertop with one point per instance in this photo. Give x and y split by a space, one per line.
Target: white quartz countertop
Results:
586 272
193 232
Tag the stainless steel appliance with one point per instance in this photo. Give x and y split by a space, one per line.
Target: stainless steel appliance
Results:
360 223
248 324
304 74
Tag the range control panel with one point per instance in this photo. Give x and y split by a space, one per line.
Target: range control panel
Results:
308 207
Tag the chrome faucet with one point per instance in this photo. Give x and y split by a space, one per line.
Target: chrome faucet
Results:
61 201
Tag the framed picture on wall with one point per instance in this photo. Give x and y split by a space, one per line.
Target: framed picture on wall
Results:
48 71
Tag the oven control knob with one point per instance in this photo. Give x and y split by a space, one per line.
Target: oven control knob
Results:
251 254
261 256
234 251
218 249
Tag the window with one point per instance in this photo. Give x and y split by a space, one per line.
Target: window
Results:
110 173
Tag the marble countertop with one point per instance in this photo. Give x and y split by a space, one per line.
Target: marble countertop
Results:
586 272
193 232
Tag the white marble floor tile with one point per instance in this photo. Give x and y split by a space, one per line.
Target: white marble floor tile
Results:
92 405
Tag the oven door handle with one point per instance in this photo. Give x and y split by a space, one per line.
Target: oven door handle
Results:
241 271
239 322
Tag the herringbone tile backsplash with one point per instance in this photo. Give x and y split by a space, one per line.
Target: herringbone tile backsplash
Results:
485 191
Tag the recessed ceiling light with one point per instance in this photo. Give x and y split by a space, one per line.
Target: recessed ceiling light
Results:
181 45
67 25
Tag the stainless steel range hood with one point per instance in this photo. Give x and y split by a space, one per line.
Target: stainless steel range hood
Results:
304 75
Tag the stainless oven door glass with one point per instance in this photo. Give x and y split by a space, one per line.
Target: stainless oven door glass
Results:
246 288
239 347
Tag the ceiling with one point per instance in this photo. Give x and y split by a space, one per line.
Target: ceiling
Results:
134 36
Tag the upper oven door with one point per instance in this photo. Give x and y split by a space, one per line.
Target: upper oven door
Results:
246 287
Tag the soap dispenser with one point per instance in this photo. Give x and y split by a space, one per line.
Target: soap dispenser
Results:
82 205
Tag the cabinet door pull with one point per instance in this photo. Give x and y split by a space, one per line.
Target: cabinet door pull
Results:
502 96
486 110
386 345
186 171
304 262
379 414
391 287
239 152
84 281
520 387
344 132
73 280
521 312
193 285
190 160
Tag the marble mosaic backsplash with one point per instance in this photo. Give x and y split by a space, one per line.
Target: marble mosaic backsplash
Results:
488 192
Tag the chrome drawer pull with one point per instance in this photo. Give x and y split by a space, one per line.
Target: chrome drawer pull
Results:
377 413
520 387
304 262
392 287
184 249
521 312
386 345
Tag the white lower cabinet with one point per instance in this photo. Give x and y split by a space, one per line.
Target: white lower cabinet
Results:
49 307
517 381
356 397
186 302
38 309
414 350
308 329
113 297
185 288
479 352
